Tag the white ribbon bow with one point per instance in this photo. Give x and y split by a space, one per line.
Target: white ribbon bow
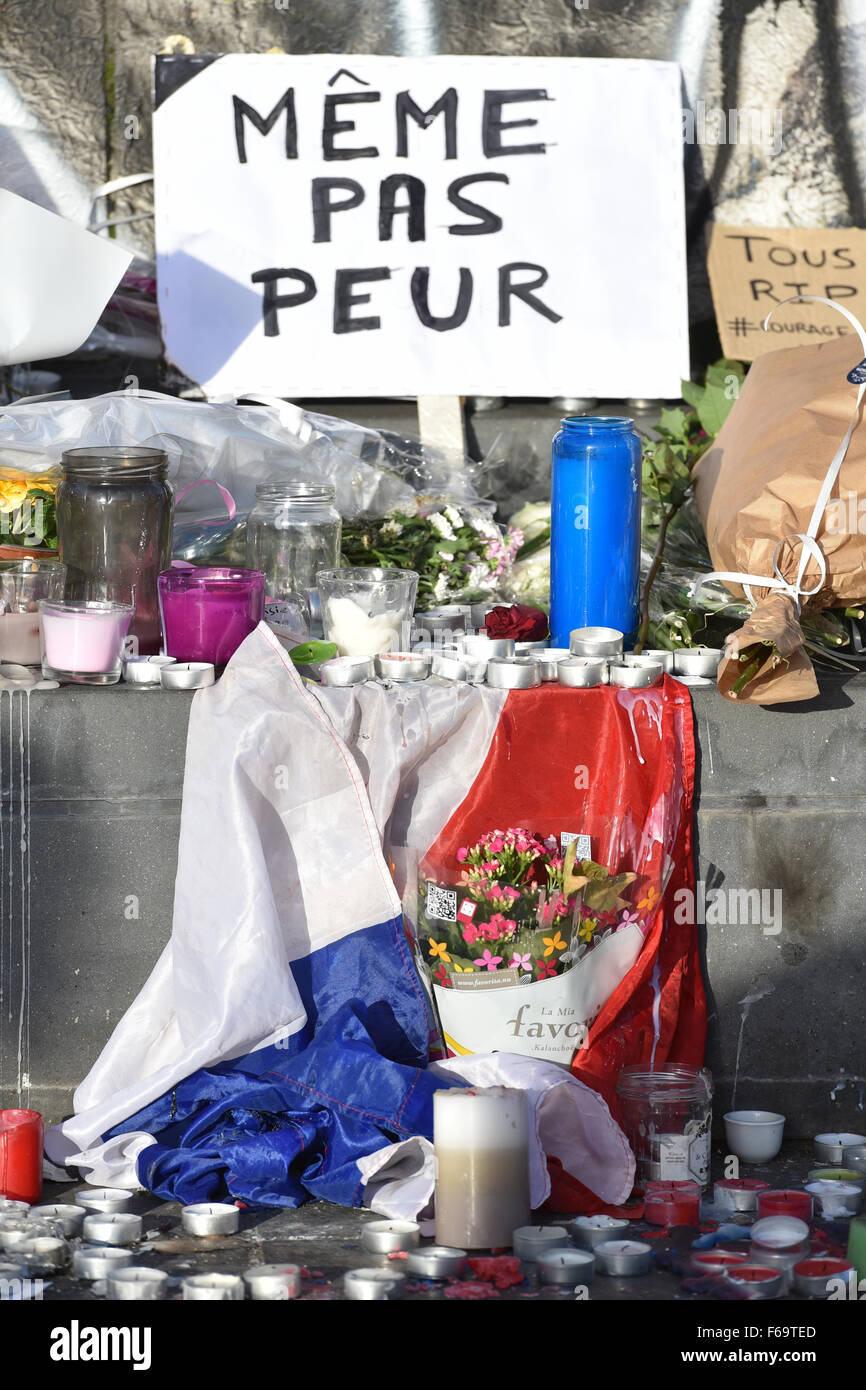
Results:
810 547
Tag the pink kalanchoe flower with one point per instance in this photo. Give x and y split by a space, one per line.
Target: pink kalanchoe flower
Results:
490 867
491 962
470 934
462 856
508 892
497 843
519 962
627 918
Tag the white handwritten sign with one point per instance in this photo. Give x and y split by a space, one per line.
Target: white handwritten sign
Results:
368 226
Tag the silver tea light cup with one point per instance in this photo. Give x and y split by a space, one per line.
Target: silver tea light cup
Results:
698 661
133 1282
625 1258
273 1283
596 641
213 1288
635 677
436 1261
529 1242
519 673
99 1261
582 671
112 1228
590 1231
210 1219
347 670
187 675
104 1198
382 1237
570 1266
369 1285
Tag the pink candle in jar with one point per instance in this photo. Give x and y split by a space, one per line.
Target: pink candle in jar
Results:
81 638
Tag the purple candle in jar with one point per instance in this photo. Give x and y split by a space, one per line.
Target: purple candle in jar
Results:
207 612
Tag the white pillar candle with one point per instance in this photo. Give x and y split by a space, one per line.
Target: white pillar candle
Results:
210 1219
212 1288
481 1140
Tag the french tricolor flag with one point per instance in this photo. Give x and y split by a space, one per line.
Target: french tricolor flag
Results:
280 1046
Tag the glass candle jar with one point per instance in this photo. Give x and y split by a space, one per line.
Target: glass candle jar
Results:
366 611
207 612
21 1155
293 531
82 640
23 583
667 1117
114 509
595 526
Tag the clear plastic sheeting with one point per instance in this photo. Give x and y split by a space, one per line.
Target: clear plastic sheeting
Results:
239 445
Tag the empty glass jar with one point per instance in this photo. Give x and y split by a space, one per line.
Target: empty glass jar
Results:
667 1117
293 532
114 510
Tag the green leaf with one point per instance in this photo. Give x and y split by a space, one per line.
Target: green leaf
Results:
673 422
309 652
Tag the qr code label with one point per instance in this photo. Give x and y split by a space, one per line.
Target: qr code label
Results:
584 846
441 903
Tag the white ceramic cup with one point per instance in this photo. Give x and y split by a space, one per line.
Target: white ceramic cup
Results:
755 1136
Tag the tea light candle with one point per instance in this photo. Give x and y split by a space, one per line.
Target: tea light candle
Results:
136 1282
402 666
596 641
99 1261
436 1262
529 1242
273 1283
213 1288
479 645
838 1175
450 617
780 1233
738 1194
854 1157
811 1277
548 660
698 661
717 1261
144 670
656 655
381 1237
672 1204
830 1148
210 1219
347 670
10 1208
63 1214
17 1231
835 1199
43 1254
368 1285
112 1228
623 1257
582 672
481 1142
590 1231
519 673
634 677
570 1267
104 1198
694 680
782 1202
756 1281
187 675
449 667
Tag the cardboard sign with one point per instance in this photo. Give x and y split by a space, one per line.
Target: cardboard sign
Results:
753 268
368 226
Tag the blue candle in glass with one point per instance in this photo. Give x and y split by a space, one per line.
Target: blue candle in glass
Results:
595 526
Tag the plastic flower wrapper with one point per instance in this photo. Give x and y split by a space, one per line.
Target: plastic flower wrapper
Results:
28 513
529 578
459 553
519 909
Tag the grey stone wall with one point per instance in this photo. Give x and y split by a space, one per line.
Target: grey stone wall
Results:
75 86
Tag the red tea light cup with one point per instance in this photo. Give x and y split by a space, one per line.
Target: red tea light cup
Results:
738 1194
21 1155
755 1281
717 1261
812 1277
785 1202
672 1204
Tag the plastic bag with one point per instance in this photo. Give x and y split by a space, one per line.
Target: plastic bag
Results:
240 445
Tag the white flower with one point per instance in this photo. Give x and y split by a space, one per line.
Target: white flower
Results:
441 526
443 556
532 519
479 577
440 588
485 527
454 517
392 528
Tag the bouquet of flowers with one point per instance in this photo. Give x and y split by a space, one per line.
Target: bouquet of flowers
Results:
28 520
522 906
458 552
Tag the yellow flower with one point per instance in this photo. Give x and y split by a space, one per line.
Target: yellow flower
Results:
464 969
649 901
586 930
440 949
553 943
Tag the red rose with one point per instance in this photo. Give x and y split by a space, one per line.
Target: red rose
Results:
523 623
